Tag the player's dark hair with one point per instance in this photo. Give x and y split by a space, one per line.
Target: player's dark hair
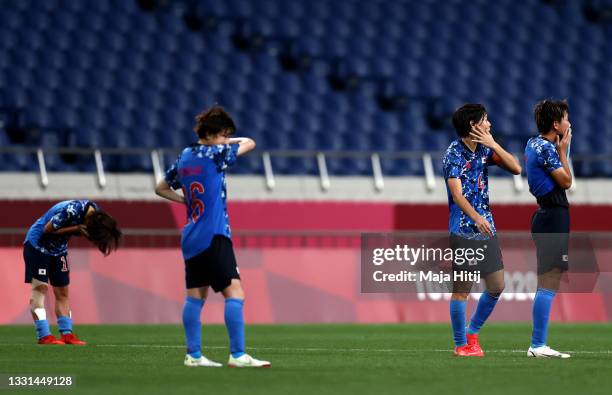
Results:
546 112
465 114
214 121
103 231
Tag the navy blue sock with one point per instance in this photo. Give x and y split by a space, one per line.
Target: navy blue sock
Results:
234 322
65 325
193 325
42 328
486 304
457 314
540 314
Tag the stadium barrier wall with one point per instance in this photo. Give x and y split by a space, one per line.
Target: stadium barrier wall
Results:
311 215
286 280
283 285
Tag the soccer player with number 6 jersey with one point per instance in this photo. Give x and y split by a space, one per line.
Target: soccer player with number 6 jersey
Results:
206 238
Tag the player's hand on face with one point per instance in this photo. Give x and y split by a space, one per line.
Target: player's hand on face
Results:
480 135
484 226
564 142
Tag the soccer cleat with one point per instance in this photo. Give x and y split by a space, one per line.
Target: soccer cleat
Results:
545 352
247 361
469 350
71 338
472 340
202 361
50 339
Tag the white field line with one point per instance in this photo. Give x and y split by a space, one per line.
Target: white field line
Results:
316 349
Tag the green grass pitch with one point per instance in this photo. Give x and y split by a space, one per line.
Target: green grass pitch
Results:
318 359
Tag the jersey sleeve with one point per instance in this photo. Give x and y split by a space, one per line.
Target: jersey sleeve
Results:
172 176
548 158
225 155
451 165
66 215
489 157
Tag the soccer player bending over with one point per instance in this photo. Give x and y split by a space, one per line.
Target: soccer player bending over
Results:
206 239
549 175
45 252
471 224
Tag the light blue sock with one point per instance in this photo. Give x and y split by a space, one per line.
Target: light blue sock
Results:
193 325
540 314
234 322
42 328
65 325
486 304
457 314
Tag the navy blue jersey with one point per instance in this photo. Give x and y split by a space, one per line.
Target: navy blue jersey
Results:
472 169
63 214
200 172
541 158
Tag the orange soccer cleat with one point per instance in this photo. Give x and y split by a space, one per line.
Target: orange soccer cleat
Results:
50 339
473 340
469 350
71 338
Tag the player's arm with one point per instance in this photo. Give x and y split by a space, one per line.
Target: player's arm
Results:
163 189
454 185
59 224
500 157
245 144
72 230
563 176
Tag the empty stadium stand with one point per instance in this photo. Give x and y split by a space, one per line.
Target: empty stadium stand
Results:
330 75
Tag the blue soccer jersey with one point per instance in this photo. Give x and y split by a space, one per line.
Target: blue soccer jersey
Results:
472 169
541 158
200 172
63 214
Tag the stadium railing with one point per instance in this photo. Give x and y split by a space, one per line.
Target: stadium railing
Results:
157 155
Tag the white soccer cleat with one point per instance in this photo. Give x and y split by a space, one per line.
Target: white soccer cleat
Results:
545 352
246 361
202 361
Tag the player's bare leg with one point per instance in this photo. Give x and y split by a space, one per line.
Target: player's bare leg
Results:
64 316
193 328
39 314
234 322
548 285
62 304
550 280
198 293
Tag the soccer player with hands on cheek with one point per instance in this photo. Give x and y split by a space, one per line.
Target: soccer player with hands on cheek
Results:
471 223
549 176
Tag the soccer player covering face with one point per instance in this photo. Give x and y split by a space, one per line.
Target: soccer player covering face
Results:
471 225
45 253
549 175
206 239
